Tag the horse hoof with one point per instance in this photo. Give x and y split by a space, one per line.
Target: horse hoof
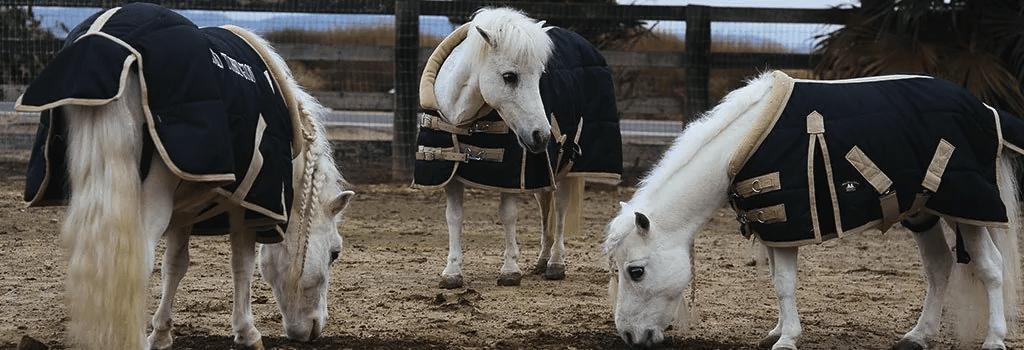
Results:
451 282
555 272
258 345
768 341
510 279
906 344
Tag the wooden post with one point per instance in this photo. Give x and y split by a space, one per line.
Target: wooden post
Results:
407 41
698 60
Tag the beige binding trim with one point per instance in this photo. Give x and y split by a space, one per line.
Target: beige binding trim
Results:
441 52
98 24
782 87
299 123
758 185
255 165
427 98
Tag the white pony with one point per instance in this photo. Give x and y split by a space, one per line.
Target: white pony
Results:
114 222
499 65
650 242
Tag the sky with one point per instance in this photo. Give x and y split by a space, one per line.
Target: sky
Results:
796 37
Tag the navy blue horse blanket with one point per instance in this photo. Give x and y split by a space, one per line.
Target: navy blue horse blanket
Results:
837 157
214 111
576 88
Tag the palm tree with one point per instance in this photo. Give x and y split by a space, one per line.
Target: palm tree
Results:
976 43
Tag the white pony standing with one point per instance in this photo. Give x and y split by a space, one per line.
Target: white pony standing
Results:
496 92
115 217
650 242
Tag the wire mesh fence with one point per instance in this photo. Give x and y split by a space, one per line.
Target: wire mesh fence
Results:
344 52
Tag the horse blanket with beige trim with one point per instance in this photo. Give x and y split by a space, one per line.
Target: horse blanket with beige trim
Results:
214 111
837 157
576 88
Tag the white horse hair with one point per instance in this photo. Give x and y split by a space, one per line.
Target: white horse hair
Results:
499 65
114 222
650 242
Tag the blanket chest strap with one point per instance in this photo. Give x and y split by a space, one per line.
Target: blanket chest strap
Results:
461 153
758 185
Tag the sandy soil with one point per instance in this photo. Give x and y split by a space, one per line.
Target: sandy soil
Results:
861 292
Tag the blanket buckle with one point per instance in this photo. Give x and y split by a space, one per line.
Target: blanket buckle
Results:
480 127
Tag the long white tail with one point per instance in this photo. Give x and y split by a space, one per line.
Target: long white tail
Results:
103 230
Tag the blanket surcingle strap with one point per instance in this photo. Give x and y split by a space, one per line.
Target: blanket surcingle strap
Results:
578 93
829 158
214 110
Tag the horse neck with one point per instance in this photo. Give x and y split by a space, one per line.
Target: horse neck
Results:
691 181
456 88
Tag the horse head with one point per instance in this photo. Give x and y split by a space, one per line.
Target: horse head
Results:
298 269
498 65
649 276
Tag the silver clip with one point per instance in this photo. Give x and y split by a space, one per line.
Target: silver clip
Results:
479 127
470 156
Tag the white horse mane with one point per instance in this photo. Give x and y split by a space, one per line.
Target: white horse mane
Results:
687 145
511 30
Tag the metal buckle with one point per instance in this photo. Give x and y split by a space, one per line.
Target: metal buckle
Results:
470 156
478 128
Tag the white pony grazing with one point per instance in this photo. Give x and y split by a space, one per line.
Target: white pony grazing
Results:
115 220
650 242
498 66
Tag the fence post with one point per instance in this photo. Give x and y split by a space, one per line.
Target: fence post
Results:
698 60
407 41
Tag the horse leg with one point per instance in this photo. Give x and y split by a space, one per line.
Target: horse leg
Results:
937 263
175 265
988 264
243 264
451 276
556 263
158 191
508 214
544 200
787 331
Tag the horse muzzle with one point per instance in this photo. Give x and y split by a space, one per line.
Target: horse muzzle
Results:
642 339
536 141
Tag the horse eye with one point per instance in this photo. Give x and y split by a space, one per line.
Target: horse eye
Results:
334 255
636 273
510 78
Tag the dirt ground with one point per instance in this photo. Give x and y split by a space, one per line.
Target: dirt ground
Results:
860 292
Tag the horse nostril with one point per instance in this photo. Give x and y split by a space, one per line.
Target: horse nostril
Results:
649 337
539 137
629 337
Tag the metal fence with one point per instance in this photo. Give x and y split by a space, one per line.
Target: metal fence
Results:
363 58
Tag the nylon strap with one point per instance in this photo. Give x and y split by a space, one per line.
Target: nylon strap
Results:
464 154
478 127
766 215
758 185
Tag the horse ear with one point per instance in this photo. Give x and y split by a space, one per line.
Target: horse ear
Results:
643 223
340 203
486 36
